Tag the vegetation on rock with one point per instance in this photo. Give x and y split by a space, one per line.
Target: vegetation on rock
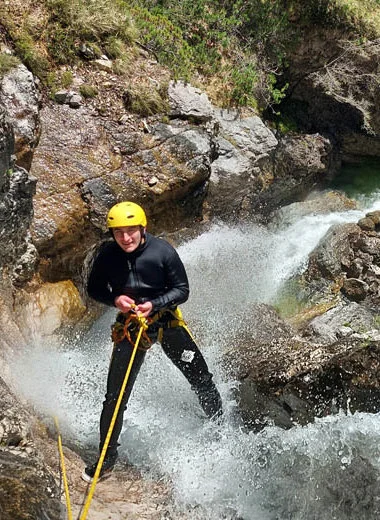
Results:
236 50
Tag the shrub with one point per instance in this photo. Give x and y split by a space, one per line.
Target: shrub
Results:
31 56
88 91
145 101
75 21
165 40
66 78
115 47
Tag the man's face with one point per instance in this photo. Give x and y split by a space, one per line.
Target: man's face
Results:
128 237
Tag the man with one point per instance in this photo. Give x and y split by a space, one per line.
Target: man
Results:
142 275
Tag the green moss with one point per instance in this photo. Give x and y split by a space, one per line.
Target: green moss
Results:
29 53
88 91
7 63
145 101
66 78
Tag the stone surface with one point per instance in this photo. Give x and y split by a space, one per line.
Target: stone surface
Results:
27 487
18 256
20 97
189 102
329 74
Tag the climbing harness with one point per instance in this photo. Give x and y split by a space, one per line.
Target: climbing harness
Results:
63 472
126 327
143 325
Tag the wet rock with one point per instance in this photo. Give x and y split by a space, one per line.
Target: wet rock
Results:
343 319
367 224
27 490
375 217
326 259
18 256
369 244
287 382
315 204
49 308
355 289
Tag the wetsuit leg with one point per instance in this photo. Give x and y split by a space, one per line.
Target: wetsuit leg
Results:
181 349
118 366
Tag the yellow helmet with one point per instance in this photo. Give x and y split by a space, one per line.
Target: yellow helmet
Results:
126 214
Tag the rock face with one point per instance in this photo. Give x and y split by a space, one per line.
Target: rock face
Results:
330 362
287 378
206 163
328 75
301 163
349 256
189 102
19 94
18 255
243 159
27 488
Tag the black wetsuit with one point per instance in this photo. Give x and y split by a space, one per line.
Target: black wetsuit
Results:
153 272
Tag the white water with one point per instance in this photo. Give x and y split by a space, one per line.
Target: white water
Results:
327 470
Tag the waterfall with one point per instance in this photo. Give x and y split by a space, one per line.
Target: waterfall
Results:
326 470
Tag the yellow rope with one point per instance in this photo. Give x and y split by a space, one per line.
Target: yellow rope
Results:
63 469
143 326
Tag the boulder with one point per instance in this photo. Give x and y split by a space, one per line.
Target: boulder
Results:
241 165
301 163
326 260
343 320
347 258
189 102
290 381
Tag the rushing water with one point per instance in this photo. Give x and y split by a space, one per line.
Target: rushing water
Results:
326 470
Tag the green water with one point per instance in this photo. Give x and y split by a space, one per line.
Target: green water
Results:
359 180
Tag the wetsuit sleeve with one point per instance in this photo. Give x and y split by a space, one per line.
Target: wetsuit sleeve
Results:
98 287
176 282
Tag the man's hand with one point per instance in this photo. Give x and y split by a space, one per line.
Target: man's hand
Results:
124 303
144 309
